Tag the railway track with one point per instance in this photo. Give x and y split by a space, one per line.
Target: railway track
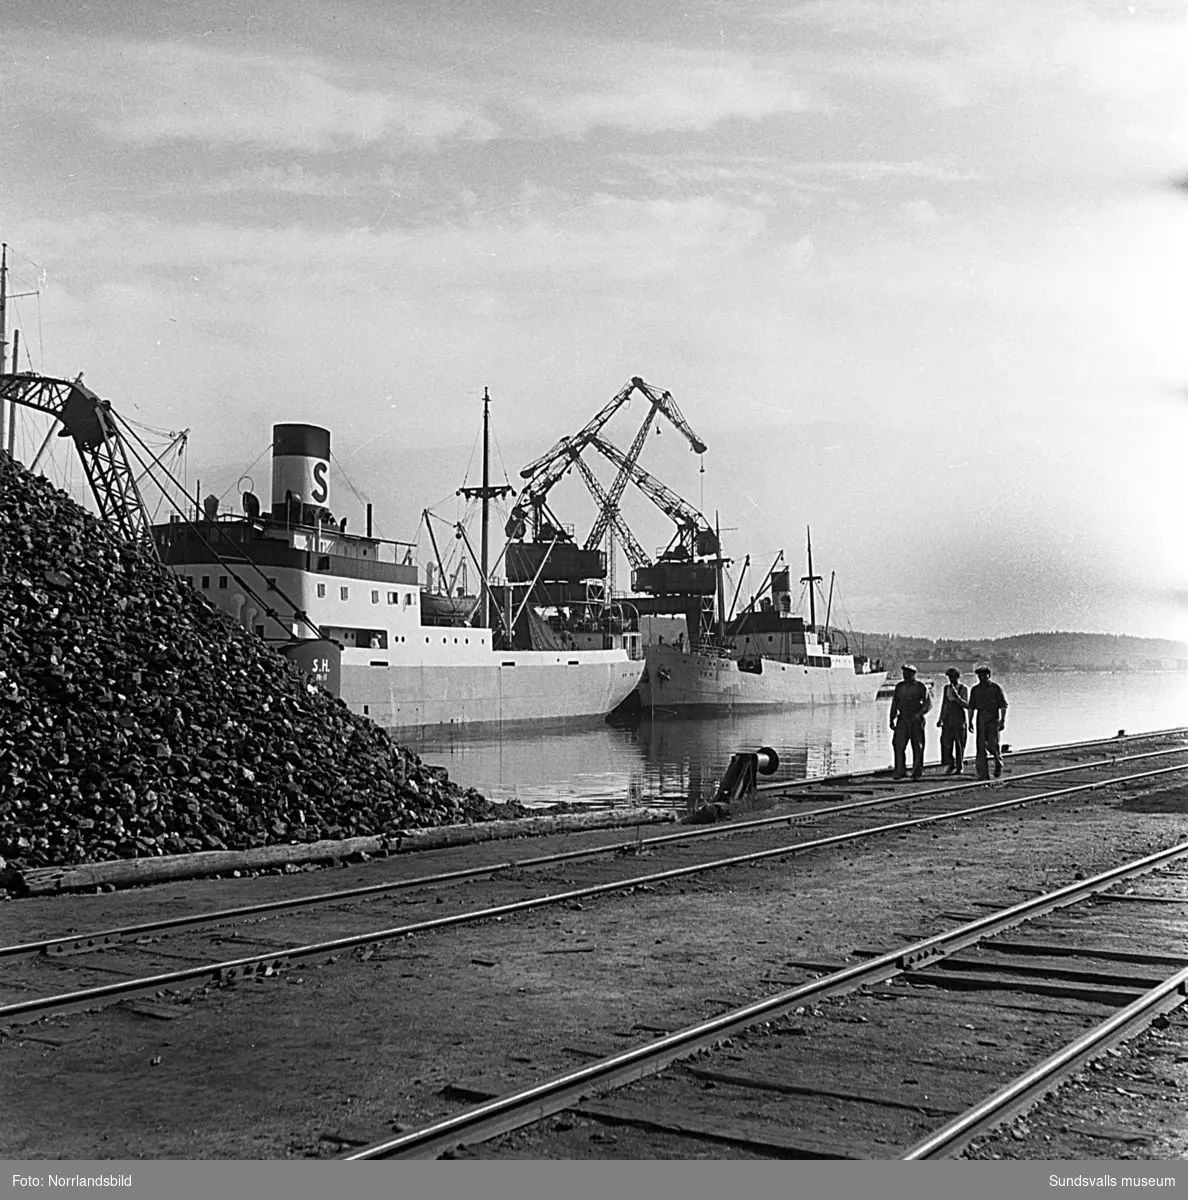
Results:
216 1039
806 1071
326 925
73 942
1120 740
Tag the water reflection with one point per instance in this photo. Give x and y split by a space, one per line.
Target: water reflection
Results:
681 761
669 761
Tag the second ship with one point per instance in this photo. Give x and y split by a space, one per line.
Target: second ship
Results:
766 658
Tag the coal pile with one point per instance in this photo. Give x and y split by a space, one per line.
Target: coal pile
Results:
136 720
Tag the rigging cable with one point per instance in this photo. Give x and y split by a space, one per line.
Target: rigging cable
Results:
338 463
245 473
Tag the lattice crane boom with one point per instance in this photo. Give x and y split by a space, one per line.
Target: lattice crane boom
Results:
636 554
532 497
587 431
610 505
693 530
662 402
667 405
90 421
546 470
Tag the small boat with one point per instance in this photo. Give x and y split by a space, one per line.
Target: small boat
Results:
439 609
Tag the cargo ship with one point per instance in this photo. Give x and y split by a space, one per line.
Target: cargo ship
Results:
348 609
766 658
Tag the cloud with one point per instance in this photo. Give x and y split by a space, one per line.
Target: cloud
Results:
918 212
655 89
216 96
290 180
160 92
761 175
957 49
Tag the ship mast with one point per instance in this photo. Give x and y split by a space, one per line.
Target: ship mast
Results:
721 596
811 579
486 493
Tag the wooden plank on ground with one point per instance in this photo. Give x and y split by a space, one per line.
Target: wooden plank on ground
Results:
972 981
784 1087
760 1138
130 872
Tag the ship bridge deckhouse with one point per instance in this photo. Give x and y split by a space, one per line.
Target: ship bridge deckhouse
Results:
295 572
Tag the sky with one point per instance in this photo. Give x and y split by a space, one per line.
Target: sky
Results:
914 272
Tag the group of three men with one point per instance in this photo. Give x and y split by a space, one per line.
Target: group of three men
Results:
985 703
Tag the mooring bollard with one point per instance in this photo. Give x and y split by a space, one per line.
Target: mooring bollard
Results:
742 775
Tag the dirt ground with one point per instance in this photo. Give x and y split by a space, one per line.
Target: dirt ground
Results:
341 1053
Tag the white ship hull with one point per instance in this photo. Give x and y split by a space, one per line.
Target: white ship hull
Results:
513 687
679 681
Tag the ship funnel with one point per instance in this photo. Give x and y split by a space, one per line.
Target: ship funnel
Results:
781 592
300 469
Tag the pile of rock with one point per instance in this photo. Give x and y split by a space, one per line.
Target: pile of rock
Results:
136 720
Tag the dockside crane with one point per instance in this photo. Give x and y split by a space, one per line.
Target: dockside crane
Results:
636 555
91 422
694 538
687 573
661 402
549 468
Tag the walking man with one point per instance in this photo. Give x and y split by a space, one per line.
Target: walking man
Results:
987 702
953 715
909 703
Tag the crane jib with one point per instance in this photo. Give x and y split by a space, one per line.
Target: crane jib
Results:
548 470
90 422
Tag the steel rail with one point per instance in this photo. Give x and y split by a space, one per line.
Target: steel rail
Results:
260 965
516 1109
105 938
1032 1085
882 772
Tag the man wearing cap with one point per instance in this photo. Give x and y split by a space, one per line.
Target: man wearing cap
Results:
909 702
953 715
989 704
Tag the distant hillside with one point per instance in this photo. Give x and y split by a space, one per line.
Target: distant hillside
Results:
1056 651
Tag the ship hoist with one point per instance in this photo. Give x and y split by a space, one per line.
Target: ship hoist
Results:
542 551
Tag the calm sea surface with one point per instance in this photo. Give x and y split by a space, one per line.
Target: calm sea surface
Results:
680 761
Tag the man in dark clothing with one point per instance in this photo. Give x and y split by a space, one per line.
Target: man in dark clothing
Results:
909 703
987 702
953 715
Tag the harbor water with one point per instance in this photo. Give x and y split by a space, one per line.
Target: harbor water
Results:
679 761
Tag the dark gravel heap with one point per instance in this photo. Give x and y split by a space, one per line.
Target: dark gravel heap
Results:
136 720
